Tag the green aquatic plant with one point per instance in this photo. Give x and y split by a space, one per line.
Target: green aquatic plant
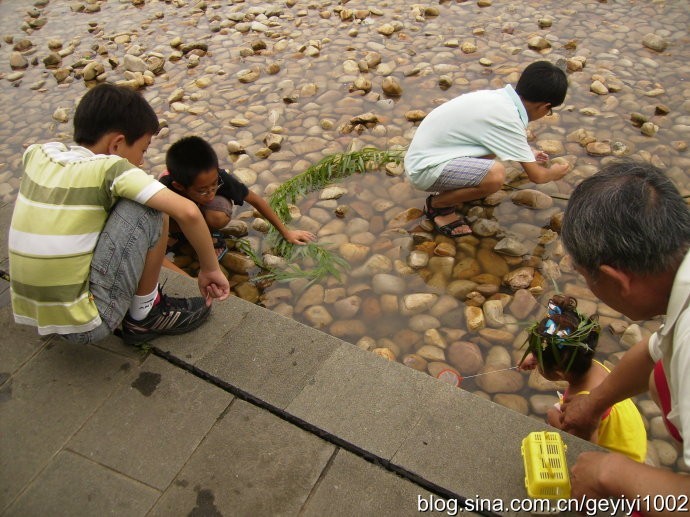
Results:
563 333
329 170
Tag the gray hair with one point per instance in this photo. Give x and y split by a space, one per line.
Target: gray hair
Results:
629 216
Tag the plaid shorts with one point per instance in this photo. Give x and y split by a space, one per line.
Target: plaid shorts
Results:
461 173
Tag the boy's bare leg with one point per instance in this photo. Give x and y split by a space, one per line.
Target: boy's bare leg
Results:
153 263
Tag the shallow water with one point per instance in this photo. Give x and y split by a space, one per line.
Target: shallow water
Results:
422 50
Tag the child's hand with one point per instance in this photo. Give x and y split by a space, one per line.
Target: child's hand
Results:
541 156
300 237
213 284
530 363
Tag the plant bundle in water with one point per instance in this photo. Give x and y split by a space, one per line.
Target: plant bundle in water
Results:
563 333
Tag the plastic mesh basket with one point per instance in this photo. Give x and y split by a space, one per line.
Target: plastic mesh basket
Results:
546 469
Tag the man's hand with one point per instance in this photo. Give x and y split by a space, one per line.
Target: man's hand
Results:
213 285
579 416
300 237
585 476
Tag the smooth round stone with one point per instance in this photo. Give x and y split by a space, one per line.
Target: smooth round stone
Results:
444 305
416 362
417 302
347 329
515 402
474 317
492 263
494 381
348 307
538 382
385 353
465 356
314 295
318 316
434 338
353 253
522 304
423 322
501 337
657 428
384 283
461 288
532 199
493 313
431 353
418 259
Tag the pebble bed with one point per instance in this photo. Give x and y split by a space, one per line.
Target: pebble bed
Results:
277 86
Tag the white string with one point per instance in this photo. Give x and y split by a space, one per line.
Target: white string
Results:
492 371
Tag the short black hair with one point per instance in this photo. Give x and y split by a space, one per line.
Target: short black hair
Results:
542 81
188 157
107 108
630 216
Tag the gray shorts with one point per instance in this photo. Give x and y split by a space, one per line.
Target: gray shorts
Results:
461 173
218 204
129 233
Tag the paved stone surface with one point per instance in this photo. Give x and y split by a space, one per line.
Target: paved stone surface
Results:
269 356
368 401
46 402
251 463
17 347
149 427
377 491
72 486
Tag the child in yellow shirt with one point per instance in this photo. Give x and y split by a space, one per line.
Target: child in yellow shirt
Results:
562 347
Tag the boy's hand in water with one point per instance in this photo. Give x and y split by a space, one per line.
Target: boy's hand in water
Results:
541 156
299 237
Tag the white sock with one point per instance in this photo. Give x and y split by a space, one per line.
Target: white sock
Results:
141 305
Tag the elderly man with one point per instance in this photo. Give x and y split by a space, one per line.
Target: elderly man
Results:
627 229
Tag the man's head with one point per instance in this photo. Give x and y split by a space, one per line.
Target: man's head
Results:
542 84
627 228
118 115
193 166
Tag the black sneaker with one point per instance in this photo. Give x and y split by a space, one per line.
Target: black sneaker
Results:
168 317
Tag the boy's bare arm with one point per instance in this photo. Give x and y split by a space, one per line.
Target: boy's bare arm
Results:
540 174
212 281
293 236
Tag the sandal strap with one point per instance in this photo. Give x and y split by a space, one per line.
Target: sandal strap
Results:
447 229
432 213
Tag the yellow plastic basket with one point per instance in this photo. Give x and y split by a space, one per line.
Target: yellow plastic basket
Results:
546 469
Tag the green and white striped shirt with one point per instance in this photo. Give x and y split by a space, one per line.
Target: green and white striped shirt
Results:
63 203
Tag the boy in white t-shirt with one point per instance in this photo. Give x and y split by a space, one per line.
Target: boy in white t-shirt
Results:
454 151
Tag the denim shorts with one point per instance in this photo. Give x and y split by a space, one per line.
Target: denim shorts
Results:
462 172
131 230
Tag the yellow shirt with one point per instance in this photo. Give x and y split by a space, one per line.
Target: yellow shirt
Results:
622 429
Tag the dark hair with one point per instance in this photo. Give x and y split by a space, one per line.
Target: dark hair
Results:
107 108
561 353
629 216
542 81
188 157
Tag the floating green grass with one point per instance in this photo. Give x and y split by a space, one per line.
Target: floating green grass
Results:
331 169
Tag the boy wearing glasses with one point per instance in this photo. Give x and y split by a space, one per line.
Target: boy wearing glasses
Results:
452 154
193 172
89 229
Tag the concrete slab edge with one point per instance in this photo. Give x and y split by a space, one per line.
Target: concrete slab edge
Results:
311 428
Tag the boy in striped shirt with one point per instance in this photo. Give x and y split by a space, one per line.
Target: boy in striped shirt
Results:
89 231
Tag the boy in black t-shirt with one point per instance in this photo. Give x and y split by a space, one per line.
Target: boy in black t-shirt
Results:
193 172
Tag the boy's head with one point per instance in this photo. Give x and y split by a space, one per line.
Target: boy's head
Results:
564 341
543 82
107 108
193 167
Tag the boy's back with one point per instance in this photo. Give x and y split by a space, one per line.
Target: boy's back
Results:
475 124
64 201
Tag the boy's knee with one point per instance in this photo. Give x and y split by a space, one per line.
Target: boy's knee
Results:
495 178
216 219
